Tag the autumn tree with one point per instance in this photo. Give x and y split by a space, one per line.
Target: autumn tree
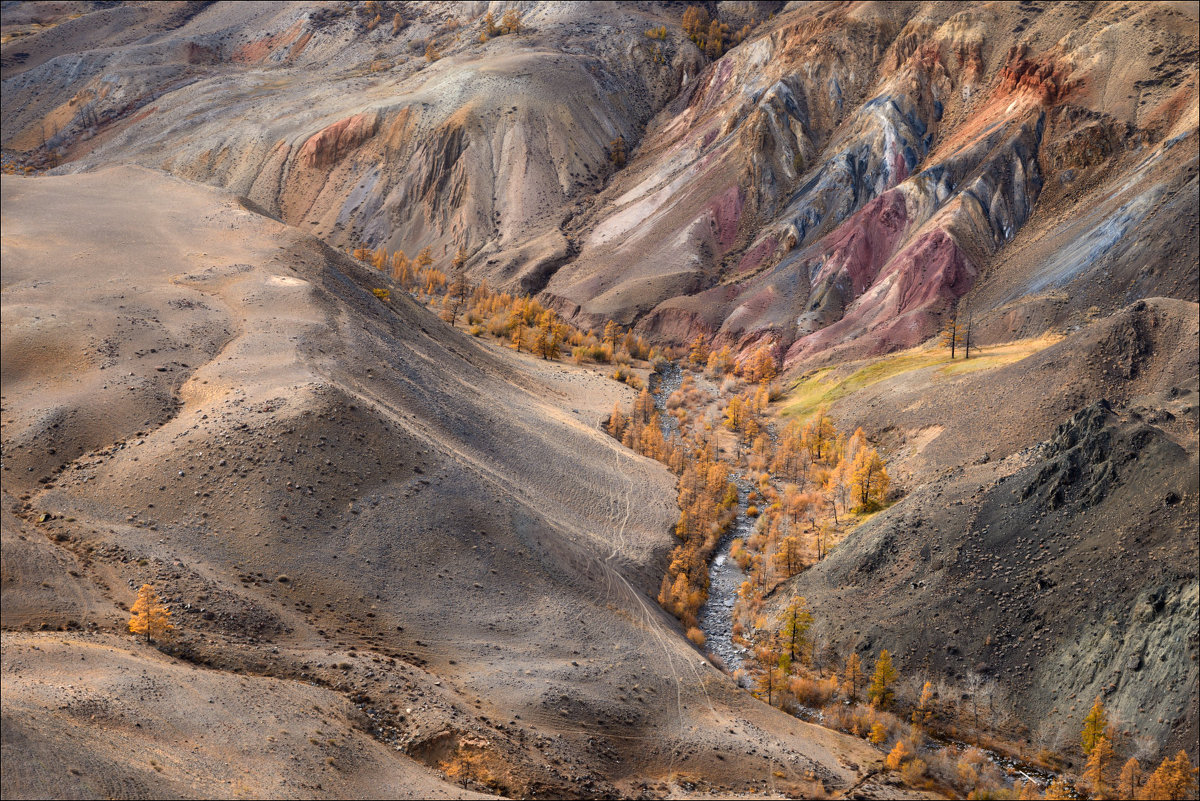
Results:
695 23
1130 780
1058 791
698 353
425 258
616 422
1094 726
788 558
759 367
490 28
923 711
611 332
546 342
643 407
880 692
818 434
714 40
952 334
838 487
734 415
869 480
853 676
510 22
720 362
1099 766
1027 791
617 153
797 621
149 616
900 754
1173 780
768 657
400 268
460 287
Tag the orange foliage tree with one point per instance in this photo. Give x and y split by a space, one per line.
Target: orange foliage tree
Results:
149 615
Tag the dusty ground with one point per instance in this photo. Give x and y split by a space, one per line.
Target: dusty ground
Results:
341 499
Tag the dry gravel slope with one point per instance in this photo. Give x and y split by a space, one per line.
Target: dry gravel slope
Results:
1046 530
335 490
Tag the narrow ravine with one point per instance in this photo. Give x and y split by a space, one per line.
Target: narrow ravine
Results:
724 580
715 616
724 576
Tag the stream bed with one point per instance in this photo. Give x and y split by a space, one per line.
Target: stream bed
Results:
724 576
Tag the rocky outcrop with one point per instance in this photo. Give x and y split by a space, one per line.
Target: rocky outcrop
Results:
330 145
1065 579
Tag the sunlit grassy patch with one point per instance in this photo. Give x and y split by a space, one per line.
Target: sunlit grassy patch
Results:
999 355
817 388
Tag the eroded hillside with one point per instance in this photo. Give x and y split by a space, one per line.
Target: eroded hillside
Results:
425 546
344 501
1047 537
832 185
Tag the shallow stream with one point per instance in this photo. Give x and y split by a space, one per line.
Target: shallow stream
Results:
724 576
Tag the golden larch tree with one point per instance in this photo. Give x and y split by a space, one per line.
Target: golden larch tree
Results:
1094 726
769 656
1099 767
695 23
899 755
853 677
149 615
1027 791
924 710
952 334
510 22
1058 791
869 480
1130 780
714 41
616 422
797 621
425 258
880 692
1173 780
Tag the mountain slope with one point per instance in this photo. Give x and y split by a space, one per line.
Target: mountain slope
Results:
1045 539
832 186
332 489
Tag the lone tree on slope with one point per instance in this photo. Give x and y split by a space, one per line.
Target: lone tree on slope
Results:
149 615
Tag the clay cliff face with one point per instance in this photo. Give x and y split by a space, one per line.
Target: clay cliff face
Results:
836 183
832 185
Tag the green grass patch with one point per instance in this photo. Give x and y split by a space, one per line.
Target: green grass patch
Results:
818 388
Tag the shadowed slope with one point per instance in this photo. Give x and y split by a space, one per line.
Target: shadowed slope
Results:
330 488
